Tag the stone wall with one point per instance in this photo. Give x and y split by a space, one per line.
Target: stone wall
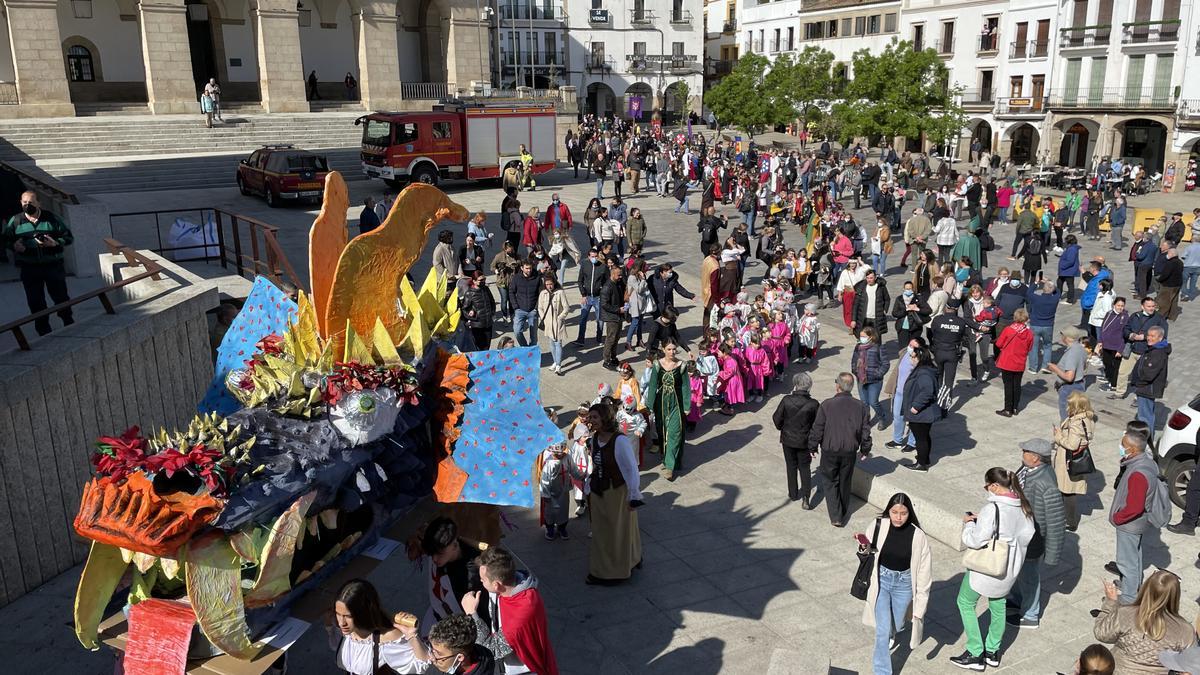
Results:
146 365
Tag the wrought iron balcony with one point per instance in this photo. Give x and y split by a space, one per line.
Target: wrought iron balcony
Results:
681 16
1021 105
641 17
1085 36
1114 98
944 47
989 43
975 98
600 64
1150 32
543 11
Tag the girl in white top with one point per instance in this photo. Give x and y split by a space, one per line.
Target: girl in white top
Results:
371 643
1104 303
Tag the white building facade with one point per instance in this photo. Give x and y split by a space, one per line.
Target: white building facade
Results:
838 26
647 53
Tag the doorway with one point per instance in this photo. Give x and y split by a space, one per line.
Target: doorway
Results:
1145 140
1024 144
200 44
1074 149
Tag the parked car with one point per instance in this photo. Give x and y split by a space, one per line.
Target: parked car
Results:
283 172
1176 450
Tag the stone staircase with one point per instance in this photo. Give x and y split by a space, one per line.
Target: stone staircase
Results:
120 152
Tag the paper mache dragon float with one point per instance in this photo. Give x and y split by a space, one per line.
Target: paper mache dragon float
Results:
328 417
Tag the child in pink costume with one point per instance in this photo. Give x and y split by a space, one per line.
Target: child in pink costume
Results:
780 341
697 382
759 364
731 380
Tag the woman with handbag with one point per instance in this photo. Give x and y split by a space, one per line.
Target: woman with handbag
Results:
996 540
1072 454
901 574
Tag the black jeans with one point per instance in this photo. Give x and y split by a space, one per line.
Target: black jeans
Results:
838 470
798 461
921 431
40 280
612 335
1071 509
1143 279
1012 389
1112 365
1191 500
482 337
947 365
1019 243
1069 284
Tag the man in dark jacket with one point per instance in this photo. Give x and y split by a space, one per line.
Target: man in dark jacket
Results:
794 419
948 336
523 291
663 286
612 310
1037 480
1174 233
1149 379
841 430
592 274
870 180
1135 332
710 227
38 239
1168 272
871 300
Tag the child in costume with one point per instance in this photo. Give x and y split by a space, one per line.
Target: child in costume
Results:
809 334
730 377
708 366
698 386
632 423
778 342
758 366
627 385
555 484
580 459
604 394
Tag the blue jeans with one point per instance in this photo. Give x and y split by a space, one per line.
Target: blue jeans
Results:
505 308
1190 276
804 177
1146 412
891 606
600 187
1065 391
635 328
1028 588
585 310
872 191
834 191
1043 343
562 269
869 393
879 263
556 351
525 320
686 205
749 217
898 422
1129 561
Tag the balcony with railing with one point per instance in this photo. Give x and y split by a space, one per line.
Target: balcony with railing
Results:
641 17
758 47
1085 36
978 98
681 17
540 59
543 11
598 63
944 47
423 91
1018 49
729 27
1114 98
1021 105
1187 115
1150 32
774 45
1039 49
683 65
720 67
989 43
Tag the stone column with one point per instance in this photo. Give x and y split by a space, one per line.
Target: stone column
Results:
41 69
167 57
469 57
280 66
378 74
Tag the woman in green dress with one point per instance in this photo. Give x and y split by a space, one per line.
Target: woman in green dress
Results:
669 397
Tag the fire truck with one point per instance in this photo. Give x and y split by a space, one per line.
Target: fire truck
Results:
457 140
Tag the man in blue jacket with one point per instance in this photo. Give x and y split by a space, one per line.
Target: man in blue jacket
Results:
1042 301
1068 268
1136 332
1116 219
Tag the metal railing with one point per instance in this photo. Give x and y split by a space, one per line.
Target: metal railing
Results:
152 271
1150 32
1128 98
600 64
975 97
244 244
31 181
641 17
1039 49
543 12
420 91
758 47
989 43
773 46
681 16
1021 105
729 27
532 58
682 65
721 67
8 93
1085 36
944 47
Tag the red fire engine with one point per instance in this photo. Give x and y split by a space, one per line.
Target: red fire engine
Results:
458 140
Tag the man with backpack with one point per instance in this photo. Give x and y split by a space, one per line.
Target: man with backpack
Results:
1141 505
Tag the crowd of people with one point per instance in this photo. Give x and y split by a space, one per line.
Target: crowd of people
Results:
939 300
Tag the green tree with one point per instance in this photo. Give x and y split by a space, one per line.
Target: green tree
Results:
741 99
900 92
682 94
800 86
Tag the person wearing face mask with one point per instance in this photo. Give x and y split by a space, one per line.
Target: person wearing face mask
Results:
1149 378
1040 486
453 649
38 239
1138 487
948 340
920 406
911 314
1136 331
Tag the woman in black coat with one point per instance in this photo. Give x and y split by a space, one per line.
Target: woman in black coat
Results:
921 408
911 313
478 306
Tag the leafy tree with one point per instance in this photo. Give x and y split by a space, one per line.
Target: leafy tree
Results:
900 92
741 98
800 85
683 92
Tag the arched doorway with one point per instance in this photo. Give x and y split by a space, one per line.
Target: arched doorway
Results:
675 104
1024 144
982 134
601 100
433 20
102 53
1074 149
1144 141
639 101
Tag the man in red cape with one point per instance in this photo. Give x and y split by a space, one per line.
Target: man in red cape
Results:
517 634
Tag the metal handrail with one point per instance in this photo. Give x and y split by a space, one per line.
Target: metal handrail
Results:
132 257
29 179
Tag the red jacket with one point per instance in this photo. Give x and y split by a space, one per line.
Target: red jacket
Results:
1014 342
564 215
529 232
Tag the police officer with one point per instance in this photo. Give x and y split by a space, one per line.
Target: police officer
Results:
948 335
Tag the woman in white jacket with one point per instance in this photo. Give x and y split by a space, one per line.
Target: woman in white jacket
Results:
1009 514
946 232
900 581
